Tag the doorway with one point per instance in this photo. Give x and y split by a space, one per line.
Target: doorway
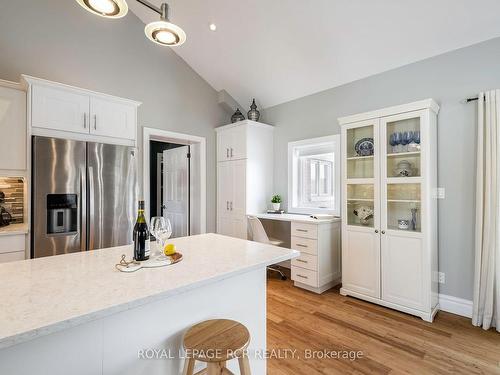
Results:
169 166
174 180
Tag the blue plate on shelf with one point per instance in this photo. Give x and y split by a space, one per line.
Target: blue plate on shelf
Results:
364 147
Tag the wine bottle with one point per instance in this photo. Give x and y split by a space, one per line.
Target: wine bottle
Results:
141 236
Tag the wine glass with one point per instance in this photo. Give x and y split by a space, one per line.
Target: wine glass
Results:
392 141
416 138
158 226
405 139
397 141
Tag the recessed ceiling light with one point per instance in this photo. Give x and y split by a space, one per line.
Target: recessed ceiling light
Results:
212 26
105 8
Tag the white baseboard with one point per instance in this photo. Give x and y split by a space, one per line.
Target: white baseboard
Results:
455 305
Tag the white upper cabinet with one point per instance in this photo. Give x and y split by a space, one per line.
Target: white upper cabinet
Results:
12 127
59 109
232 143
112 118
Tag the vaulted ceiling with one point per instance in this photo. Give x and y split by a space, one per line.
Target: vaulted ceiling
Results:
280 50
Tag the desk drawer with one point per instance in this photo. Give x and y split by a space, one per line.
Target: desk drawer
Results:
305 230
304 245
307 261
304 276
11 243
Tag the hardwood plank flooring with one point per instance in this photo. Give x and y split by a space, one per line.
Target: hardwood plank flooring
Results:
391 342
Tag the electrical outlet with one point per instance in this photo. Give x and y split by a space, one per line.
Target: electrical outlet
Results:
441 278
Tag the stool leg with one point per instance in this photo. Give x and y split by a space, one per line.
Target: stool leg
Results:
244 365
188 366
216 368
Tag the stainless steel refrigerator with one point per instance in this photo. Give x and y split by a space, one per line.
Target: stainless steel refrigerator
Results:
84 196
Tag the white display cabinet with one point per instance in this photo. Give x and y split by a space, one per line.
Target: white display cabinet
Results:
389 231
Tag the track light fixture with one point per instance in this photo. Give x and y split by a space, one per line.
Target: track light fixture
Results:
161 32
105 8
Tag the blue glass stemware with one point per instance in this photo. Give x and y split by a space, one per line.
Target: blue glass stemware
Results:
416 137
405 139
397 141
392 141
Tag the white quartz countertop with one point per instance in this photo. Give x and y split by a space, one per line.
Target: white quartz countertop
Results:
13 229
46 295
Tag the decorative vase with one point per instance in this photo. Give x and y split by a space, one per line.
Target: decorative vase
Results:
253 114
413 219
237 116
276 206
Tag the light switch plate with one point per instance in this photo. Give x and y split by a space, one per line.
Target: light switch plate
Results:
438 193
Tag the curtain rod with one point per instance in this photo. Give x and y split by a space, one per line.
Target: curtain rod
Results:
473 99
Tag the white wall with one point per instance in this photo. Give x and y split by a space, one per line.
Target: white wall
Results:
448 78
59 41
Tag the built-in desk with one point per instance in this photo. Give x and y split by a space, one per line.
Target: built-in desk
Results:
318 268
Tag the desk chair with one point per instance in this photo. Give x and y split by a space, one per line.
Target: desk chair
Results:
259 235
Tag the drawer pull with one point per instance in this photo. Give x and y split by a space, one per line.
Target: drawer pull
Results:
301 230
302 276
303 261
300 245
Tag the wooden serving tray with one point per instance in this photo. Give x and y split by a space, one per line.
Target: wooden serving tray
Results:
163 261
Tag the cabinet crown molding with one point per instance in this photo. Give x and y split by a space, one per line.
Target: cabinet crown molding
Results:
243 122
27 80
389 111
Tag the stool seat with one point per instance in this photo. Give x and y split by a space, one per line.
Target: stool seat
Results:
216 340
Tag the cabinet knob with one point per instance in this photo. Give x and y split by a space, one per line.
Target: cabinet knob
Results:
383 232
95 122
227 153
231 152
376 230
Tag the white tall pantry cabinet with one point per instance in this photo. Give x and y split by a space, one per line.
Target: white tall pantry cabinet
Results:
389 226
244 174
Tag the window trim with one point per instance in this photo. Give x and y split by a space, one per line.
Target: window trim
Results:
335 139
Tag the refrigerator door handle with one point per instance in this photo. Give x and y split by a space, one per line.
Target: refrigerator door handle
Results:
91 212
83 210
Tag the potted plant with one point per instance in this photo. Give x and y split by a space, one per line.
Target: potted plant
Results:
276 201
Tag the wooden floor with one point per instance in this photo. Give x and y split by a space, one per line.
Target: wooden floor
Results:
391 342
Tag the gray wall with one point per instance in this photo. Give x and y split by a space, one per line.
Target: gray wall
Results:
448 79
59 41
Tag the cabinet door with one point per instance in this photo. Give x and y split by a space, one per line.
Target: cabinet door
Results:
223 145
112 118
361 261
225 187
238 199
402 270
60 109
240 227
13 128
225 225
238 143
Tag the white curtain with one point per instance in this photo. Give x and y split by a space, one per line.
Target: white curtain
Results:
486 304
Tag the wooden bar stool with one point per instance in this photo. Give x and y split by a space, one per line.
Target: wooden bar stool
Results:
215 342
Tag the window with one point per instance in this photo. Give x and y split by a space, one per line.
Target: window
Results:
314 176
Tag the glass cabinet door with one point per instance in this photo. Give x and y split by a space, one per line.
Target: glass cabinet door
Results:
361 174
360 150
401 171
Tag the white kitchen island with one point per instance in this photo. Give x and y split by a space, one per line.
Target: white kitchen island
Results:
76 314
